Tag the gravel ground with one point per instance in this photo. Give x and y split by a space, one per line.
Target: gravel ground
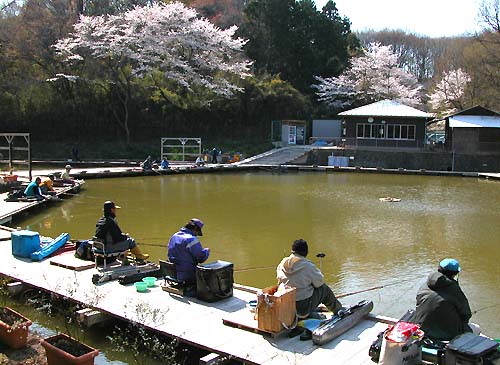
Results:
34 354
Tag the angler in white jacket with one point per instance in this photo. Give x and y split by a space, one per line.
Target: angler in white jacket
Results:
298 272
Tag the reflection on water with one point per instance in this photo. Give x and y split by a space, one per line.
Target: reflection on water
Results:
252 218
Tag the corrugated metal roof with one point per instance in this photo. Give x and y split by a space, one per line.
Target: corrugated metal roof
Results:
387 108
474 121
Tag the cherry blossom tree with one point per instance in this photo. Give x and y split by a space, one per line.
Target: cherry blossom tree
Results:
373 76
166 39
449 92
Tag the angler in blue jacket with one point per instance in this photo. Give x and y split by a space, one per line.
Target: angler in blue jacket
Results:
33 189
185 250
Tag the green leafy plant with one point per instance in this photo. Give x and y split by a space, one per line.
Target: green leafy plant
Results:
144 345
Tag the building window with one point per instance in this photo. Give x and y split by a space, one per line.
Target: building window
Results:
385 131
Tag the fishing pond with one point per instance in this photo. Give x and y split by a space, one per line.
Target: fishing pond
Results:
252 218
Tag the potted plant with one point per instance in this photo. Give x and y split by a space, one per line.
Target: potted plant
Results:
14 328
62 349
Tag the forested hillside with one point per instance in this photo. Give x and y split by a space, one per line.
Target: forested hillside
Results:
132 71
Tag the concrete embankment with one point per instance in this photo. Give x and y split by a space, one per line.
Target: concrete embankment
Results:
410 160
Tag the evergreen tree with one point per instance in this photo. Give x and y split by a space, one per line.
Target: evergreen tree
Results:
293 39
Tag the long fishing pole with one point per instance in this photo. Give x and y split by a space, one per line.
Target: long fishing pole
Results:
256 268
483 308
374 288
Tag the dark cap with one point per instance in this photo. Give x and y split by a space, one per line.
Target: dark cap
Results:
110 205
300 247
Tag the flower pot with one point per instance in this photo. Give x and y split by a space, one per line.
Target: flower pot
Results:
14 328
64 350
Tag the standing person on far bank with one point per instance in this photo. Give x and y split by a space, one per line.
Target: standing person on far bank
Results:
109 232
298 272
186 251
443 310
214 154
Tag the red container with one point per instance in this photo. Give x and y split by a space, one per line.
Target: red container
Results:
14 328
56 351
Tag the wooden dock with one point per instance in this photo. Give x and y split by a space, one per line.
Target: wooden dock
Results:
190 320
10 209
491 176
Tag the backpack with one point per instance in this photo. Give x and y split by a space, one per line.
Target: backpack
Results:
84 250
14 195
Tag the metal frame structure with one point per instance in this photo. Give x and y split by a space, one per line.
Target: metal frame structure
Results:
178 146
9 137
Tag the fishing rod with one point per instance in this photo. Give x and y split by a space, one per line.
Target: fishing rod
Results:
320 255
70 194
84 195
487 307
374 288
153 244
256 268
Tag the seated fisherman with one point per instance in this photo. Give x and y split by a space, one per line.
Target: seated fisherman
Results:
200 161
164 165
185 251
33 190
443 310
147 164
65 177
109 232
47 185
298 272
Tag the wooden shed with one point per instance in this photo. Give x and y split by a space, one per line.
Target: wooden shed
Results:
383 124
473 131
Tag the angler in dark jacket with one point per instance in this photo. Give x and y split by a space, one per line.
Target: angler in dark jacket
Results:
109 232
442 310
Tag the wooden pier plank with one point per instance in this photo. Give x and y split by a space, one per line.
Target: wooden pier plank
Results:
69 261
9 209
189 319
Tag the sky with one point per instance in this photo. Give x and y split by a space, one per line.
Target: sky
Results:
434 18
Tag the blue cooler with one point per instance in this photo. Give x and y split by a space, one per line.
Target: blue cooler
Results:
24 243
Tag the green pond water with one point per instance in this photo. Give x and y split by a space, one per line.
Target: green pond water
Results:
251 219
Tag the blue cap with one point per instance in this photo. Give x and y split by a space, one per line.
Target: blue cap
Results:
450 265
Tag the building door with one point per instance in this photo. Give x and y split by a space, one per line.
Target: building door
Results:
301 135
292 134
